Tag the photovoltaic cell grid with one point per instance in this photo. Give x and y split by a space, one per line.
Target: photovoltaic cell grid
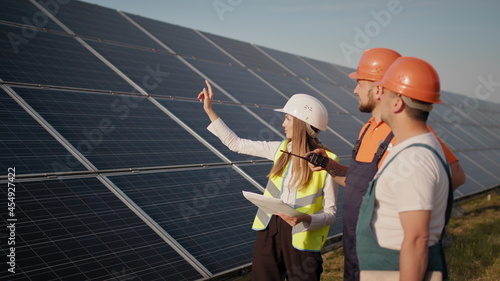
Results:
75 15
202 209
296 65
24 12
157 73
246 54
26 145
117 131
183 41
77 228
52 59
240 84
475 142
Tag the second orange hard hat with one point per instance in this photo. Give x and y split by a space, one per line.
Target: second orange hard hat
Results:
414 78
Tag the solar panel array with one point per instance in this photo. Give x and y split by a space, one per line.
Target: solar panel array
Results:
112 171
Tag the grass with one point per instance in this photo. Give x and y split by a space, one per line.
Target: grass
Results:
474 253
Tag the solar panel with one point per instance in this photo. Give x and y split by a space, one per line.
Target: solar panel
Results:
77 229
25 13
459 135
336 73
156 73
185 42
246 54
118 131
152 194
258 172
52 59
203 210
240 84
485 119
26 145
476 175
341 96
295 65
103 23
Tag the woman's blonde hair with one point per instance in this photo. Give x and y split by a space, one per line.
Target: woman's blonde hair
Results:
301 144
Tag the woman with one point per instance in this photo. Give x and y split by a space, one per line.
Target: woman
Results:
285 246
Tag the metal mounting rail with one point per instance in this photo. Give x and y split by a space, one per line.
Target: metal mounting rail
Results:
110 172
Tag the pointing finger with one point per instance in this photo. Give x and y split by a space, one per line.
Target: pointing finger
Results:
208 86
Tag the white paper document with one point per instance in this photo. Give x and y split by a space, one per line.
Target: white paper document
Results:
271 205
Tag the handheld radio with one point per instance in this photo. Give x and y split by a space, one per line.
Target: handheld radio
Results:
313 158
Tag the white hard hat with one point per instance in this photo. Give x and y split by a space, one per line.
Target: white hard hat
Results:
308 109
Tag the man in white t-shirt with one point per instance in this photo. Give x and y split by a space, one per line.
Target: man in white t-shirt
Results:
403 213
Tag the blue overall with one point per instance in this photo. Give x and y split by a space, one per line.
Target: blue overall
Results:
358 177
372 256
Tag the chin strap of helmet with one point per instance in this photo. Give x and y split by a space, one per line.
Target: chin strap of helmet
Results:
311 132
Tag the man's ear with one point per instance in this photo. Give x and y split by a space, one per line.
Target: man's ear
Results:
398 105
379 90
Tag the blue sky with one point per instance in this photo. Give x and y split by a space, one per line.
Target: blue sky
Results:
460 38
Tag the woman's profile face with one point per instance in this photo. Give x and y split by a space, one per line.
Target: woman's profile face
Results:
288 126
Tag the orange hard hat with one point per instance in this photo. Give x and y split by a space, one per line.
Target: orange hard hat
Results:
374 63
414 78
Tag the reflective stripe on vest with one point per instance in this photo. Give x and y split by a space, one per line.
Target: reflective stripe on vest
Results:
308 200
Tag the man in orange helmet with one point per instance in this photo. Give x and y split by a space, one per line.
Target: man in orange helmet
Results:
408 203
370 149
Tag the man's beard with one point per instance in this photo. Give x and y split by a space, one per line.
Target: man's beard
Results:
369 105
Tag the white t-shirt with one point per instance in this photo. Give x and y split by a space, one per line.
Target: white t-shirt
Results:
267 149
414 180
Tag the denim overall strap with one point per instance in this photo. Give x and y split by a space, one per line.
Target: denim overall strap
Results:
358 178
358 142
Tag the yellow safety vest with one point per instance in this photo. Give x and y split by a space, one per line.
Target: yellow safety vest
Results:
308 200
